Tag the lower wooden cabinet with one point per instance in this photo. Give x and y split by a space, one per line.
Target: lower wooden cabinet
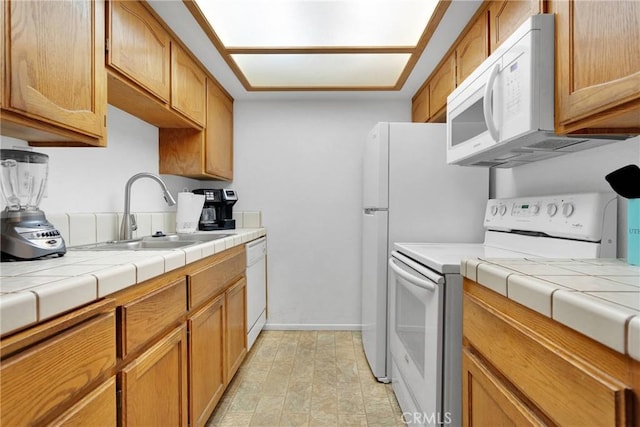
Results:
142 357
206 360
96 408
236 327
487 401
60 373
523 368
154 385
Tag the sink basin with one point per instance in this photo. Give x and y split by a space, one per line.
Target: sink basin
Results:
193 237
171 241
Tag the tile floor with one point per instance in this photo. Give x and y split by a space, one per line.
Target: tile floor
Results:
306 378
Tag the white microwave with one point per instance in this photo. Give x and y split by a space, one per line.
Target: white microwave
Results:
502 115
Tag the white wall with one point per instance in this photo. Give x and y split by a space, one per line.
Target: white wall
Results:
85 179
579 172
300 163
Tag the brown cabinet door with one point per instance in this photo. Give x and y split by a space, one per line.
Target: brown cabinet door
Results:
236 327
219 133
598 62
188 85
505 16
441 84
154 385
55 63
472 49
51 374
420 106
152 315
206 360
139 47
488 402
98 408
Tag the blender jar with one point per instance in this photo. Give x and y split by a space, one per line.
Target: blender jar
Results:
24 178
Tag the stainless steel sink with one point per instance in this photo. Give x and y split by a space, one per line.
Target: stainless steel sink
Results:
171 241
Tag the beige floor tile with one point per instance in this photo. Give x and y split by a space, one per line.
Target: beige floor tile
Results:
345 420
289 419
244 402
306 378
324 406
270 405
320 420
298 398
266 420
236 420
352 404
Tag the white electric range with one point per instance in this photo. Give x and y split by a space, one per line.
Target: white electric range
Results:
426 289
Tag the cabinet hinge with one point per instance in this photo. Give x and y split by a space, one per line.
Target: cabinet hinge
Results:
106 45
119 399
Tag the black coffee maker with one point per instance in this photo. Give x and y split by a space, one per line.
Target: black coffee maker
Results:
217 212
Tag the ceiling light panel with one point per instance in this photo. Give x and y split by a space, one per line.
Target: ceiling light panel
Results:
321 70
317 23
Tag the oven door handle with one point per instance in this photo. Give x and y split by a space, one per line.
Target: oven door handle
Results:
425 284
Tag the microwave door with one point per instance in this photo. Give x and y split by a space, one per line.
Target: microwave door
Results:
473 117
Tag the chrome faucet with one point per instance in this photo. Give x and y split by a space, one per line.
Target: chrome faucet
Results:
128 220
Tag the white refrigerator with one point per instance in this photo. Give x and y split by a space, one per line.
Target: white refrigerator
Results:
410 194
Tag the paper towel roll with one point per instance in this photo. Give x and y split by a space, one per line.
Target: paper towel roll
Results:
189 209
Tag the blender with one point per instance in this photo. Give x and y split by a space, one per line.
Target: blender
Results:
26 233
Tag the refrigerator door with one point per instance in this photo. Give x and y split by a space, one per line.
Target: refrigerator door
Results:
429 200
376 168
374 292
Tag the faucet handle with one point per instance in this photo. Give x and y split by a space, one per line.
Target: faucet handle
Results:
134 224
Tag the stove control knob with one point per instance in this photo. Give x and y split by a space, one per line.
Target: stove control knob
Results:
567 209
535 209
552 209
502 209
494 210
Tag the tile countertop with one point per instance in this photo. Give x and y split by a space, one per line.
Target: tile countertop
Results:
33 291
598 297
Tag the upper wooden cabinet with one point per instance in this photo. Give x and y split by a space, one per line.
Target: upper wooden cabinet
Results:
204 154
472 49
54 80
150 75
139 47
597 66
420 105
506 16
219 134
429 104
188 85
441 84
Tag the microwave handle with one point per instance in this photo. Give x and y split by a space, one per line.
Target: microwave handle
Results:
488 113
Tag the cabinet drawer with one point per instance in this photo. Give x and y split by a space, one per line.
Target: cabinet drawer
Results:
488 401
211 280
542 371
146 317
100 405
51 373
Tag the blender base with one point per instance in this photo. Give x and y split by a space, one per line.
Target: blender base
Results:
27 235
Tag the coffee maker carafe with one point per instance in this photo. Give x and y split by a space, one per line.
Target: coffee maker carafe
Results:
217 213
26 233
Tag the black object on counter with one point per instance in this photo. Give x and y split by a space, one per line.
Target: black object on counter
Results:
625 181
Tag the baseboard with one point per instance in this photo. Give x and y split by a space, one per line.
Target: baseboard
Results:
311 327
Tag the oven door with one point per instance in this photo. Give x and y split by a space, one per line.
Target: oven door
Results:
417 317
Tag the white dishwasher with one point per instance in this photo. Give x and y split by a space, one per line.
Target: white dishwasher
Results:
256 288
